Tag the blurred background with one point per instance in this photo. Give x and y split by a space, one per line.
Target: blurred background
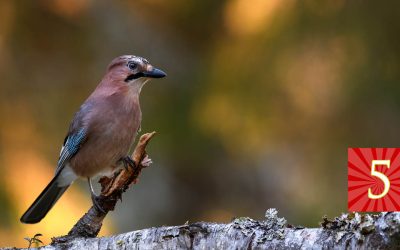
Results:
261 101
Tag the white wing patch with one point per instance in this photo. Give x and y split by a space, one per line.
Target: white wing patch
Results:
67 176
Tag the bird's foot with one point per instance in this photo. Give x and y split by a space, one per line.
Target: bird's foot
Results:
128 162
146 162
97 204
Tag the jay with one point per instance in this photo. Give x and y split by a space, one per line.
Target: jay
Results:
101 132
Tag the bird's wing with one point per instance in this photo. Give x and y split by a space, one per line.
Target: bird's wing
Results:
72 143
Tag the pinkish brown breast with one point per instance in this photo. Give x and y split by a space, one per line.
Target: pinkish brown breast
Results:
112 123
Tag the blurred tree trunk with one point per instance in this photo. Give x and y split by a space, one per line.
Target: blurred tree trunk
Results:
349 231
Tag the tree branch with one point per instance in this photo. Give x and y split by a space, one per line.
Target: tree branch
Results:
111 191
349 231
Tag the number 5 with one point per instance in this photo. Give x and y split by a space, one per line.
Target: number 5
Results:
381 176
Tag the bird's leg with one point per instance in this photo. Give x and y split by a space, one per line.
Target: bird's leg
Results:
95 197
128 162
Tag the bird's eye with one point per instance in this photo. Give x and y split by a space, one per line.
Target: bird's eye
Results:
132 65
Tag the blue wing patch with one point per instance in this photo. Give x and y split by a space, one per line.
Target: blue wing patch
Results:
71 146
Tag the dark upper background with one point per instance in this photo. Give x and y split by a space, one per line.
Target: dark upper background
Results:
261 101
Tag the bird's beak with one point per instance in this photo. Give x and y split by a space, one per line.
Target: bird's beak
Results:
154 73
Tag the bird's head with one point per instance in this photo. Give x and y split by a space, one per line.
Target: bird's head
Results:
133 70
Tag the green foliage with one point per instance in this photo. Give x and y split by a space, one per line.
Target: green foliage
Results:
34 240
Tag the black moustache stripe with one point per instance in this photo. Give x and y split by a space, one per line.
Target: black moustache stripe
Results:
134 76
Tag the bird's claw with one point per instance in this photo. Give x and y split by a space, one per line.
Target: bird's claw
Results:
128 162
96 203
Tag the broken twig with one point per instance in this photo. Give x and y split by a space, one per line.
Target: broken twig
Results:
90 224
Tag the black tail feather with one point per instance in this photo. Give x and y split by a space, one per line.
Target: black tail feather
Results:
42 205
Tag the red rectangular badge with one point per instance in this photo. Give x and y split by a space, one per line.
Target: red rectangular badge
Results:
373 179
